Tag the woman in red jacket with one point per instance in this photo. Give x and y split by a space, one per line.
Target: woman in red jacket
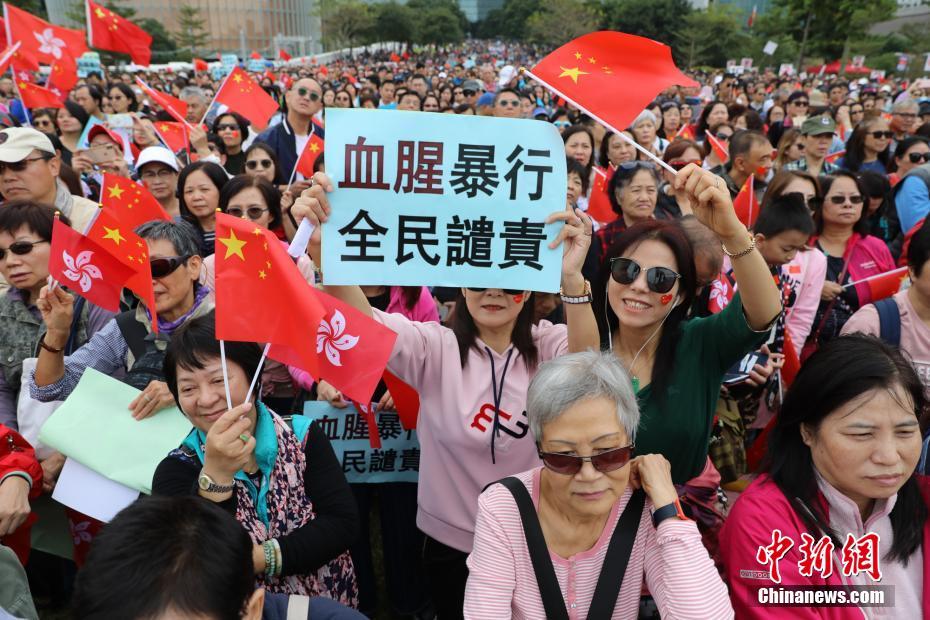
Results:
20 481
839 503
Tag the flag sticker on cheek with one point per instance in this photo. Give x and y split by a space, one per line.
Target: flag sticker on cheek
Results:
518 299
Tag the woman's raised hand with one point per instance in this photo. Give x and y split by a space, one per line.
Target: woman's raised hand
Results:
226 452
653 474
575 237
710 200
314 205
57 309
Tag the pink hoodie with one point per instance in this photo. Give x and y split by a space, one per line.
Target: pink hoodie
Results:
456 417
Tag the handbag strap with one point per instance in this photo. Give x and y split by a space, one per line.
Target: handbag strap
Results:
615 562
847 256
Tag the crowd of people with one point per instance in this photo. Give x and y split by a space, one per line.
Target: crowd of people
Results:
703 388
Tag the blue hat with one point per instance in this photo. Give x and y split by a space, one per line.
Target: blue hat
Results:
540 112
486 99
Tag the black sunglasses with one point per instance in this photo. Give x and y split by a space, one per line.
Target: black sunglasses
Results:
227 126
636 165
723 136
801 103
253 164
162 267
878 135
20 248
658 279
918 157
508 291
855 199
19 166
506 102
309 94
253 213
570 464
469 93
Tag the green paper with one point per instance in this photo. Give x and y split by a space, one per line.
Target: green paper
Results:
94 427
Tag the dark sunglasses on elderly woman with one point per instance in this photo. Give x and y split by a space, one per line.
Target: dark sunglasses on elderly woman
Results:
570 464
658 279
20 248
253 164
162 267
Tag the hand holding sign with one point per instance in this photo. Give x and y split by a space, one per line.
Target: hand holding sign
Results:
314 205
575 238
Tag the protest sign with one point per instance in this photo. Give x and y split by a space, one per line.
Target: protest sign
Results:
95 428
398 459
442 199
746 63
770 48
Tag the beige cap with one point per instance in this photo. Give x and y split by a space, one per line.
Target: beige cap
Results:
16 143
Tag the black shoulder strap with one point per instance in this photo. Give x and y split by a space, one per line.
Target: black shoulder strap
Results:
133 332
889 321
79 304
549 590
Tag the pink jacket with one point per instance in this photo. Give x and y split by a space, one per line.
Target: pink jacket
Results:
456 417
870 257
759 510
424 311
805 274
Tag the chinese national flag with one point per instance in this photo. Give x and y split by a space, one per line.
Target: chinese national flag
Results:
610 75
834 157
886 284
108 31
252 264
172 105
745 204
395 57
284 55
34 96
255 55
174 135
720 149
241 94
201 65
686 132
131 250
86 268
6 56
129 201
42 43
62 76
599 203
308 157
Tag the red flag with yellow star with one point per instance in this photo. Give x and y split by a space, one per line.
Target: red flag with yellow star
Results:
129 201
746 204
41 41
62 76
172 105
599 207
610 75
251 263
241 94
108 31
174 135
35 96
311 152
129 248
720 149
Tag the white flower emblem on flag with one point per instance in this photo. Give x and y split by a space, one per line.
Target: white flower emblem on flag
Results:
49 43
81 270
331 337
720 293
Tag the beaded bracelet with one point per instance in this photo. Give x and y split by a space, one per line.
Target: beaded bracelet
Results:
270 564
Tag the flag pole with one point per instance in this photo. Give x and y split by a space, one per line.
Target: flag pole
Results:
620 133
258 372
216 94
877 275
225 373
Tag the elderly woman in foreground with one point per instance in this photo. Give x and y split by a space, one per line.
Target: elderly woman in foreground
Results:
581 532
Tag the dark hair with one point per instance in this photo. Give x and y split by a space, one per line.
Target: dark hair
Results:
708 148
768 115
622 177
826 182
466 332
127 92
902 148
95 93
742 141
840 371
217 141
77 111
918 251
241 121
672 235
602 152
877 185
375 99
677 148
264 148
573 167
780 181
855 147
152 557
214 172
705 113
38 217
270 193
571 131
512 91
348 94
412 93
410 295
784 213
195 342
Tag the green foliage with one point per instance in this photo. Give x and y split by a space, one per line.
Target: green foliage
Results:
393 22
438 26
346 23
655 19
509 21
36 7
559 22
192 32
711 37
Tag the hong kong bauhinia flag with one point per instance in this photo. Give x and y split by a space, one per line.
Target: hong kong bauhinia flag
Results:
86 268
610 75
41 42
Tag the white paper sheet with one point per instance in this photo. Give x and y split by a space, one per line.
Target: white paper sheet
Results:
86 491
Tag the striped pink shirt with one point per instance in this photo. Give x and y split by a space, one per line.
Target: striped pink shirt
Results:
675 564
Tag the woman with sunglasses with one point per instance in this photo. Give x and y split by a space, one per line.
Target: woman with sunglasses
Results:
679 154
261 161
642 297
199 186
841 466
852 255
472 382
233 129
712 158
908 154
589 495
122 98
867 148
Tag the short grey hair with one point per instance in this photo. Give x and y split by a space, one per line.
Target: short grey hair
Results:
905 105
193 92
181 234
572 378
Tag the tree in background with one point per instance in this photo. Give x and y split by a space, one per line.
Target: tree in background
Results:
560 21
192 32
710 37
345 23
394 22
36 7
437 22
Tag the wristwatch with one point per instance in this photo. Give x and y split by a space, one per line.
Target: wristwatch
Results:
667 512
206 483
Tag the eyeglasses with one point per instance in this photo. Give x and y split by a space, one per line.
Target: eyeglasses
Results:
508 291
308 94
878 135
151 175
905 114
20 248
162 267
801 103
508 102
636 165
658 279
723 136
469 92
253 164
918 157
42 122
570 464
19 166
855 199
562 123
253 213
227 127
678 164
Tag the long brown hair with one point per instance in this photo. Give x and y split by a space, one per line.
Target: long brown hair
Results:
466 332
410 295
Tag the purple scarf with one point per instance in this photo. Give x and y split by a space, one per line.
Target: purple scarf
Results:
168 327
